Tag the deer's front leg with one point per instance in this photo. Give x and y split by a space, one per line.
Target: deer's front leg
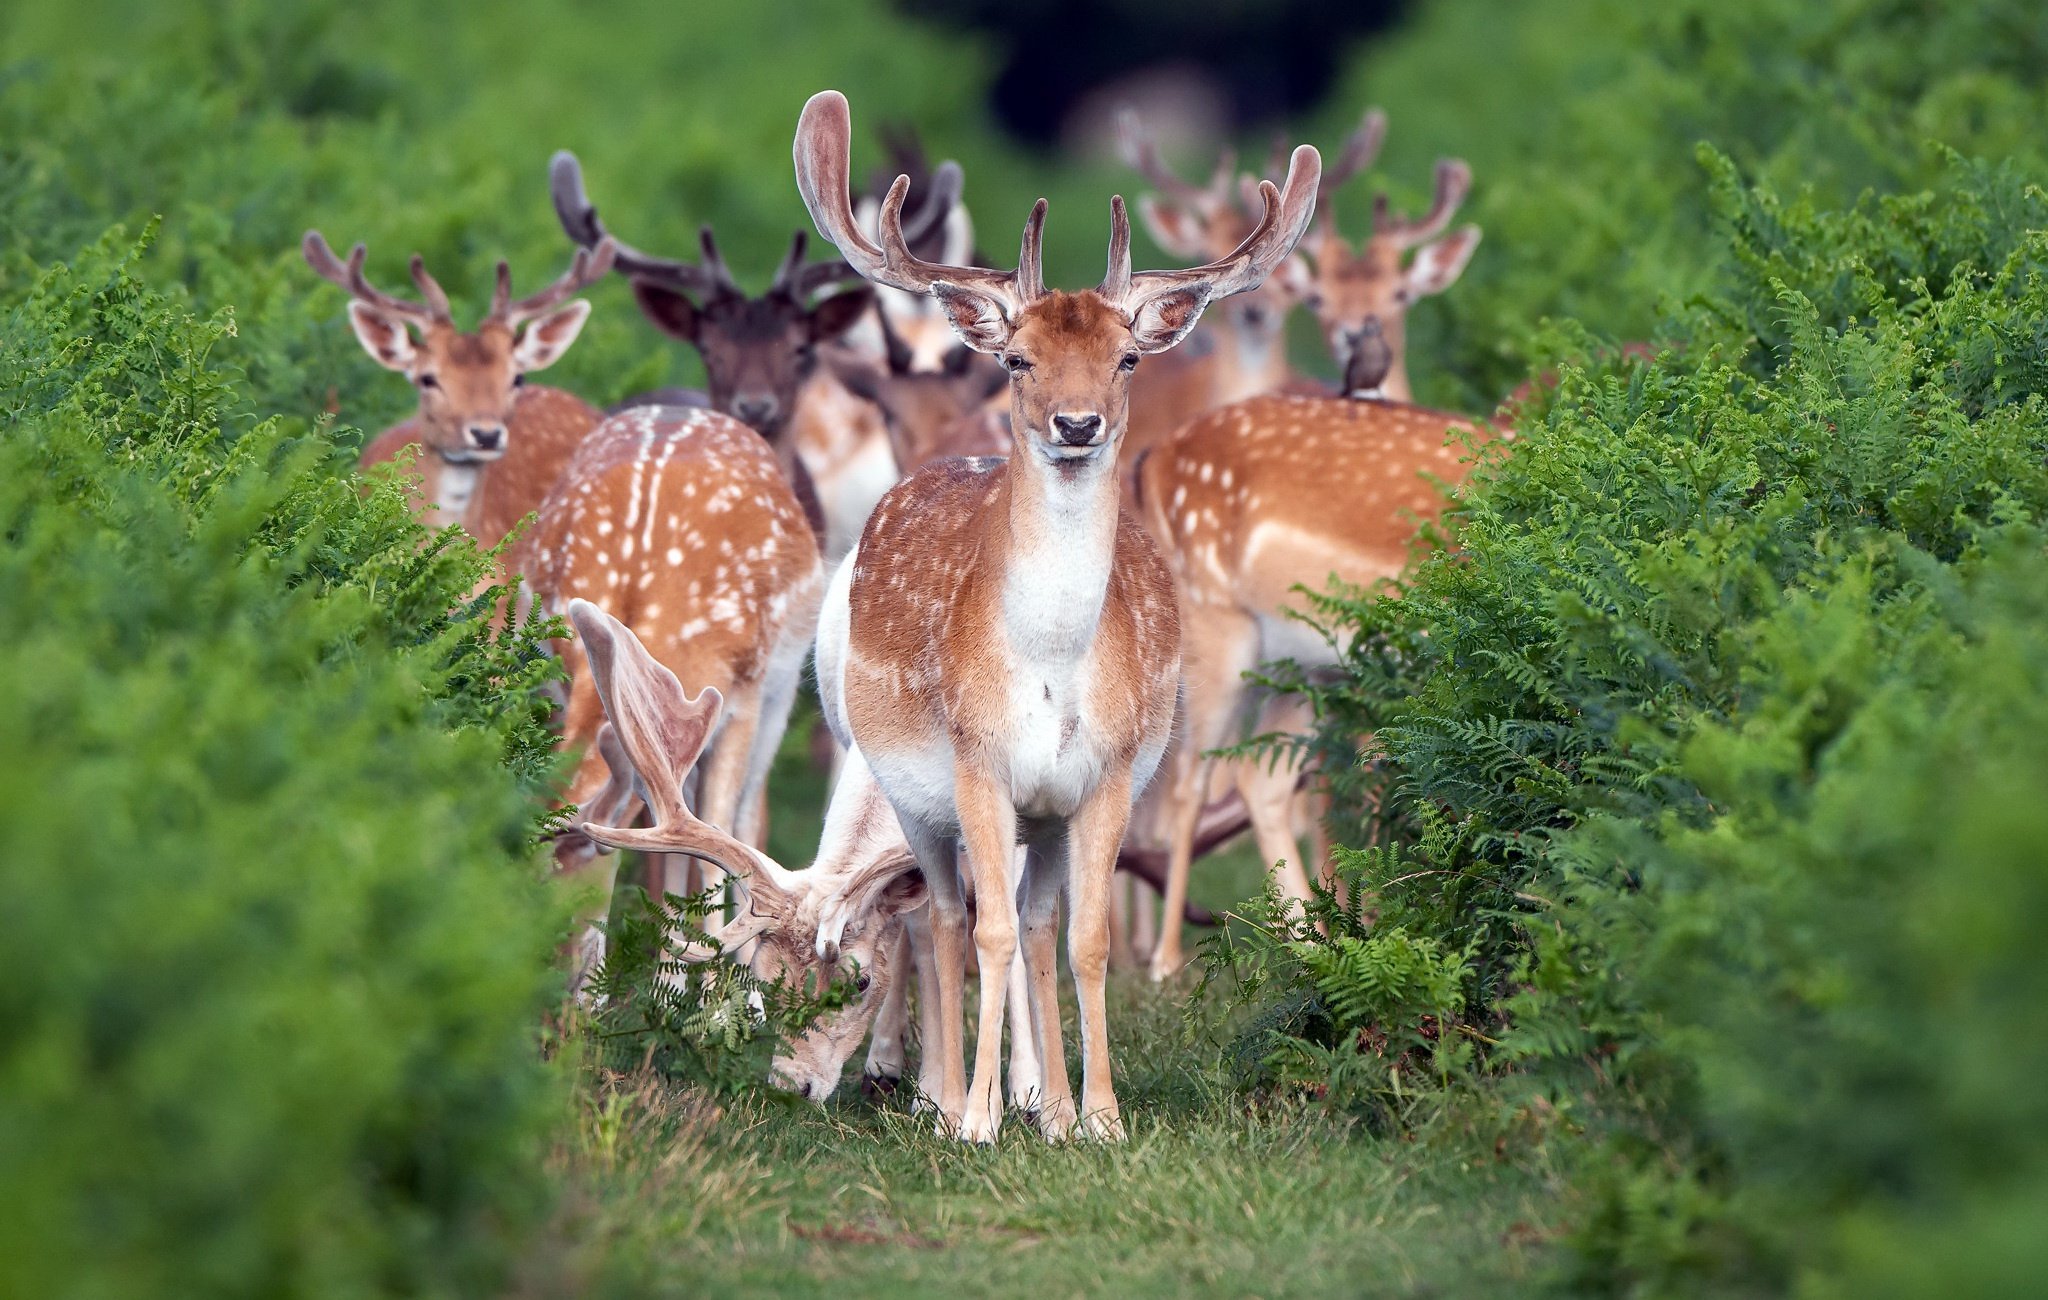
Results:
1093 839
988 827
1042 881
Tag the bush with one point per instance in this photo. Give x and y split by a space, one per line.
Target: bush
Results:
1679 735
275 949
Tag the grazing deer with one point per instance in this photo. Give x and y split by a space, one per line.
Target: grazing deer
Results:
679 524
1361 297
1003 644
495 444
1253 500
759 354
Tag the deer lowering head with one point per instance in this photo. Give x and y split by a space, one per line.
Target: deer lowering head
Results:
468 382
859 888
757 351
920 408
1361 295
1070 355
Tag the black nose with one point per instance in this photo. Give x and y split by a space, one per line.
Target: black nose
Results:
486 437
1076 430
754 410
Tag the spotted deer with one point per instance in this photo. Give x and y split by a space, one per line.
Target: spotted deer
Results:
760 353
492 444
1252 500
1361 295
1003 643
679 524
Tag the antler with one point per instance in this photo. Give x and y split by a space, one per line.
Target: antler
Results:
350 277
1286 216
1453 180
1140 152
579 221
824 140
662 732
1360 148
587 267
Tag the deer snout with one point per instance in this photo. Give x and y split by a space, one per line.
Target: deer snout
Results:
1079 430
487 438
757 409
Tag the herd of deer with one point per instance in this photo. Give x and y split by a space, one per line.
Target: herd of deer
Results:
1018 611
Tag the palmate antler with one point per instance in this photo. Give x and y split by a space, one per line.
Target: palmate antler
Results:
660 732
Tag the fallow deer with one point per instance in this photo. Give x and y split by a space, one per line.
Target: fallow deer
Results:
492 443
760 354
679 524
1253 500
1361 296
1003 644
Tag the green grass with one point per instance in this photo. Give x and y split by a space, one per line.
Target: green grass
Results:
1210 1195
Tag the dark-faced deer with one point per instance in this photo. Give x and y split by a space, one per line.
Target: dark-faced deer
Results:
492 444
679 524
1003 644
1361 296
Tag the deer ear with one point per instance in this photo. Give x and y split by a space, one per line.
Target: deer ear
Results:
544 341
1172 227
672 312
1438 264
384 337
1294 278
978 318
905 892
857 375
840 313
1164 318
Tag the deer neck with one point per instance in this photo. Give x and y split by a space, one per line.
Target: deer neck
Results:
456 491
1059 542
1248 364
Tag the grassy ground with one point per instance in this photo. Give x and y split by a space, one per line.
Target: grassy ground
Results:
1211 1195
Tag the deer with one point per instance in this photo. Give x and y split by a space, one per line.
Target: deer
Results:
1003 643
1360 295
857 913
760 354
493 443
679 523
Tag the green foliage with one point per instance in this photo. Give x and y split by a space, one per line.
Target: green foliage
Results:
274 949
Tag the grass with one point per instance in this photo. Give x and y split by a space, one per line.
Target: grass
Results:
674 1195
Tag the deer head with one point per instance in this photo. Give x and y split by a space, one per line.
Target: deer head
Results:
1070 355
467 382
1361 295
757 351
920 408
864 877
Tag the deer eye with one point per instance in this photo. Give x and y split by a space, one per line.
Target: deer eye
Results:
1128 363
1016 365
427 381
519 381
861 983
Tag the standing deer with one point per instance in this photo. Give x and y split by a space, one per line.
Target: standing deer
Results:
1361 297
679 524
760 354
1003 645
494 443
1253 500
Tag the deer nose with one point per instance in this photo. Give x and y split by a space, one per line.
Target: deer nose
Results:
486 437
754 410
1076 430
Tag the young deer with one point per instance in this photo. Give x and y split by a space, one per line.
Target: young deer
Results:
493 444
1003 645
679 524
1361 298
1251 501
760 354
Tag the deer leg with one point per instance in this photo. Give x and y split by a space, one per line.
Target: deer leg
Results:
931 1030
944 1051
1092 841
988 826
1218 648
1042 882
892 1022
1270 785
1123 903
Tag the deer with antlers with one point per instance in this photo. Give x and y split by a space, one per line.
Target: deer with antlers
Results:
760 354
495 443
1002 645
679 523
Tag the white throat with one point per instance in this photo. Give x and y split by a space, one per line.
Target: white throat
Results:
454 489
1063 539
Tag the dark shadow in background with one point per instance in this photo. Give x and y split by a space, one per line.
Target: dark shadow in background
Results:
1268 59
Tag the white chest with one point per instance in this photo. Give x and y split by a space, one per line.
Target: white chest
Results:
454 489
1055 755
